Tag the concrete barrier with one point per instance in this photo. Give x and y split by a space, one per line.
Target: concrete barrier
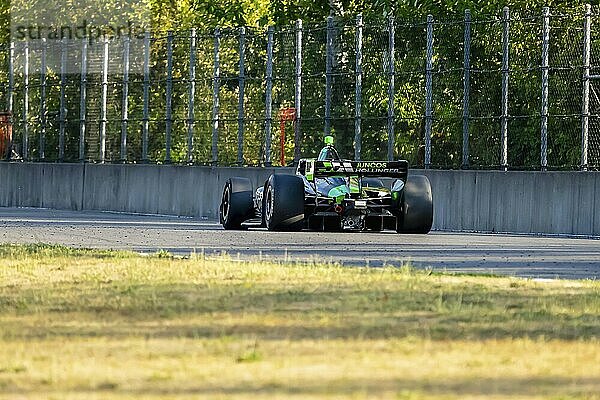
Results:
482 201
516 202
57 186
161 189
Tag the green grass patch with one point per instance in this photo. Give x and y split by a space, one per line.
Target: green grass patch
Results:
112 325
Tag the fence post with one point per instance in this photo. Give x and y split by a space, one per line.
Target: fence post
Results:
125 103
545 77
63 107
585 112
328 74
429 92
169 94
83 99
391 88
26 103
505 77
215 111
298 93
358 89
11 76
466 89
103 120
191 97
146 114
241 87
269 97
43 114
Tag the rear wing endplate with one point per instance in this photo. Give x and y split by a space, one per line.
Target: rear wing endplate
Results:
383 169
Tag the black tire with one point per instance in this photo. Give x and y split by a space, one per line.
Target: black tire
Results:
416 214
237 204
262 212
284 203
372 183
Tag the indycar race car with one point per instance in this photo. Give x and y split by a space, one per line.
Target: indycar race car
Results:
332 194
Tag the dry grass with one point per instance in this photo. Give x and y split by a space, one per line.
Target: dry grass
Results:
106 325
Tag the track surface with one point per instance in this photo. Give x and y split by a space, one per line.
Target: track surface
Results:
527 256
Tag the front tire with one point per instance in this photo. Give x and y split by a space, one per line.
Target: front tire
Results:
237 204
283 208
416 213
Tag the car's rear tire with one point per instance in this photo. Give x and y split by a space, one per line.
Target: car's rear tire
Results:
416 213
237 204
284 203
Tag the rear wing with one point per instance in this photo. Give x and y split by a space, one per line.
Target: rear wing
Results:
382 169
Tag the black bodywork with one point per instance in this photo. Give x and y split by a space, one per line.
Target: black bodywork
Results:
332 194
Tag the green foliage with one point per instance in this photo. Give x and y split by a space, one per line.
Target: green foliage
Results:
409 100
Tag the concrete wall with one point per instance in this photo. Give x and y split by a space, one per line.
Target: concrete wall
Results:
519 202
165 189
57 186
149 189
486 201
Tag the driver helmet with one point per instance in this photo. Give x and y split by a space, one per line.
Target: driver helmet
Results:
328 153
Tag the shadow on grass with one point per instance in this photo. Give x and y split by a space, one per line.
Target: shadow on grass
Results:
501 386
297 313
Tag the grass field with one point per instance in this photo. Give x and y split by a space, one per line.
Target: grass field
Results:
107 325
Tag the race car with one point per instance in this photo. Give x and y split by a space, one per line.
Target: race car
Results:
331 194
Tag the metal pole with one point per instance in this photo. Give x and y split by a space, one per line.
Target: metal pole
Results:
43 114
11 76
83 99
191 97
269 97
125 103
505 77
11 83
63 106
429 92
241 87
169 103
328 75
146 113
545 77
298 93
216 87
104 99
585 112
466 89
358 89
26 103
391 89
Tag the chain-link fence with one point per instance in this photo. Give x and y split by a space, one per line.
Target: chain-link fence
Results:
514 90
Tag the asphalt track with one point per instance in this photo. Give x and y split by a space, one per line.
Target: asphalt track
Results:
518 255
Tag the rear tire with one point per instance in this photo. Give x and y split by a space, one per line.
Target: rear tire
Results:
237 204
284 203
416 214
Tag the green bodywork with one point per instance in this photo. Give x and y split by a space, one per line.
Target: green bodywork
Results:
339 187
339 193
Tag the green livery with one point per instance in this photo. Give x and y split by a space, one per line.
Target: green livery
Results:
332 194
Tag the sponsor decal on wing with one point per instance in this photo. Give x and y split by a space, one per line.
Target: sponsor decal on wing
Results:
375 166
